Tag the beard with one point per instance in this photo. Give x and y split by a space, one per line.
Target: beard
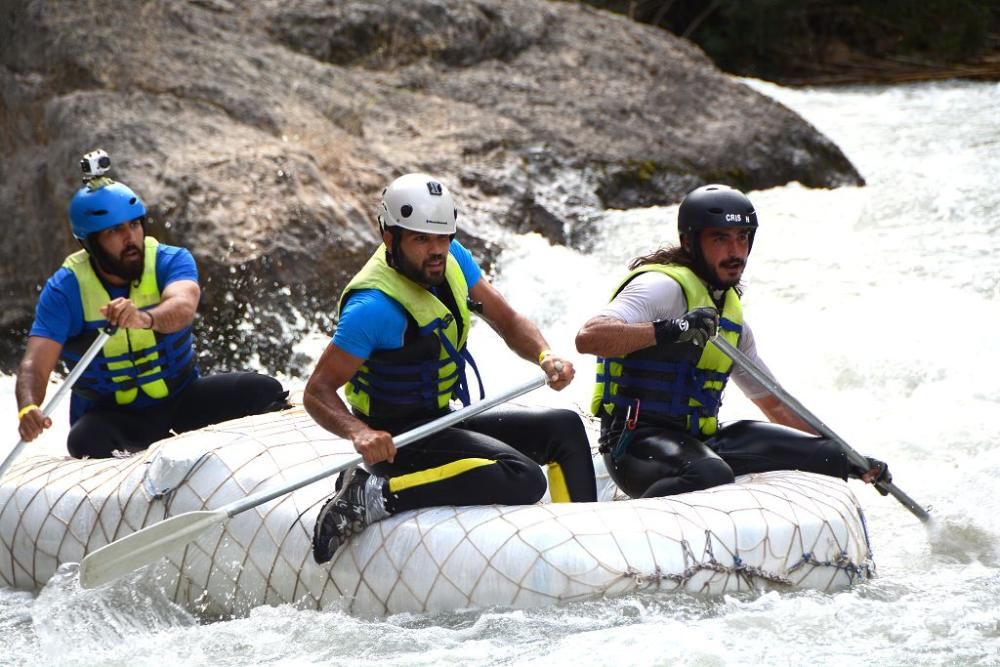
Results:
127 266
420 274
716 280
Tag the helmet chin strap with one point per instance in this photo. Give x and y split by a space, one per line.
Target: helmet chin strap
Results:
699 265
392 256
97 254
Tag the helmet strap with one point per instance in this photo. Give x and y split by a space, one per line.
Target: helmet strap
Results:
698 263
98 255
691 242
392 255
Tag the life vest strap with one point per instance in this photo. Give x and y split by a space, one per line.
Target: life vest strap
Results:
728 325
171 352
681 382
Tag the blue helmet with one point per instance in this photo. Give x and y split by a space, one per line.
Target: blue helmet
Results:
95 207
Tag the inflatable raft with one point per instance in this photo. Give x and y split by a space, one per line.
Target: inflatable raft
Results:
784 530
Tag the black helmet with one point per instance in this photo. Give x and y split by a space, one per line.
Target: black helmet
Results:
715 206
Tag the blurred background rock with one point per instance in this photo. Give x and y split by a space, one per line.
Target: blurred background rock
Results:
260 134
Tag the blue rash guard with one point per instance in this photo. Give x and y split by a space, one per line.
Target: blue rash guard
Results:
59 312
372 321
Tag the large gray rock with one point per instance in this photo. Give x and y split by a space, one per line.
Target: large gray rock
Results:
260 135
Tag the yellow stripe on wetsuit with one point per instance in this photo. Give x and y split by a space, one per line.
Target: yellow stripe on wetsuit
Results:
557 480
431 475
557 484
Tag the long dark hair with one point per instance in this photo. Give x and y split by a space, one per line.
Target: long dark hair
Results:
665 255
676 255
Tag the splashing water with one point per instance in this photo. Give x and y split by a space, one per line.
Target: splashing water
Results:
77 626
876 307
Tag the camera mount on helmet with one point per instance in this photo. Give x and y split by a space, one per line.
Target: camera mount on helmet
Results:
102 202
95 164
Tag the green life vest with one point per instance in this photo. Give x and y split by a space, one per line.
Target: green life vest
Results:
130 355
666 382
420 378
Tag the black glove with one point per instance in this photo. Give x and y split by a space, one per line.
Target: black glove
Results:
883 474
695 327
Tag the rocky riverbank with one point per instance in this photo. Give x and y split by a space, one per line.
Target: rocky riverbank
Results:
261 134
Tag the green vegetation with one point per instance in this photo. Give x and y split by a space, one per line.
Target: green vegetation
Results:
817 40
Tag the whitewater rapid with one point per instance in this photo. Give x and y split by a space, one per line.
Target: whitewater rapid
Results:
875 306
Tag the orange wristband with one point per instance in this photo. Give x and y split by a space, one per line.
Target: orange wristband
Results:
25 410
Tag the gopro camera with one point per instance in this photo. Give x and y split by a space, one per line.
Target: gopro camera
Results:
95 164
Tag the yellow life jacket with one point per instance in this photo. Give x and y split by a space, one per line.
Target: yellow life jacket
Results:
130 355
664 383
420 378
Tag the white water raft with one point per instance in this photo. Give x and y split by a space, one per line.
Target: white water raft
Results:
784 530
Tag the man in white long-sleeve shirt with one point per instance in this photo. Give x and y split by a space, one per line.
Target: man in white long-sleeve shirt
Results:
659 382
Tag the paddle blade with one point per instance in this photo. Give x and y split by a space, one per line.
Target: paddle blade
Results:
143 547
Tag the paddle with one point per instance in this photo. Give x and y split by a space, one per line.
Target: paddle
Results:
147 545
67 384
857 459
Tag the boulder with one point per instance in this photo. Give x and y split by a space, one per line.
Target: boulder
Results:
261 134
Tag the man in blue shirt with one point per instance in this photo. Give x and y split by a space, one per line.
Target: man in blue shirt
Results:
145 382
400 354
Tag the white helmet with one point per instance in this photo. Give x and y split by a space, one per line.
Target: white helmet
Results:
420 203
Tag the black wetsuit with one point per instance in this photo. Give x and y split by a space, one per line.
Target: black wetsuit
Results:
491 458
657 460
107 427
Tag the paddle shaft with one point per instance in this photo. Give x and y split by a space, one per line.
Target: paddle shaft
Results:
67 385
403 439
152 542
815 422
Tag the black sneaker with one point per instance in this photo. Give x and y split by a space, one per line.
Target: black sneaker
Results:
343 516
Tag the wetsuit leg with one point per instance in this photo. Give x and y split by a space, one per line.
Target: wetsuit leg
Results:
657 461
207 400
217 398
551 437
752 446
101 431
459 467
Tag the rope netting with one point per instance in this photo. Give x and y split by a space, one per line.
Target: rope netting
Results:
776 530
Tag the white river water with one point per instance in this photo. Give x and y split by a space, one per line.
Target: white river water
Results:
877 307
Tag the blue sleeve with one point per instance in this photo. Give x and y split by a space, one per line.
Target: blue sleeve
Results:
173 264
470 269
370 321
59 312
